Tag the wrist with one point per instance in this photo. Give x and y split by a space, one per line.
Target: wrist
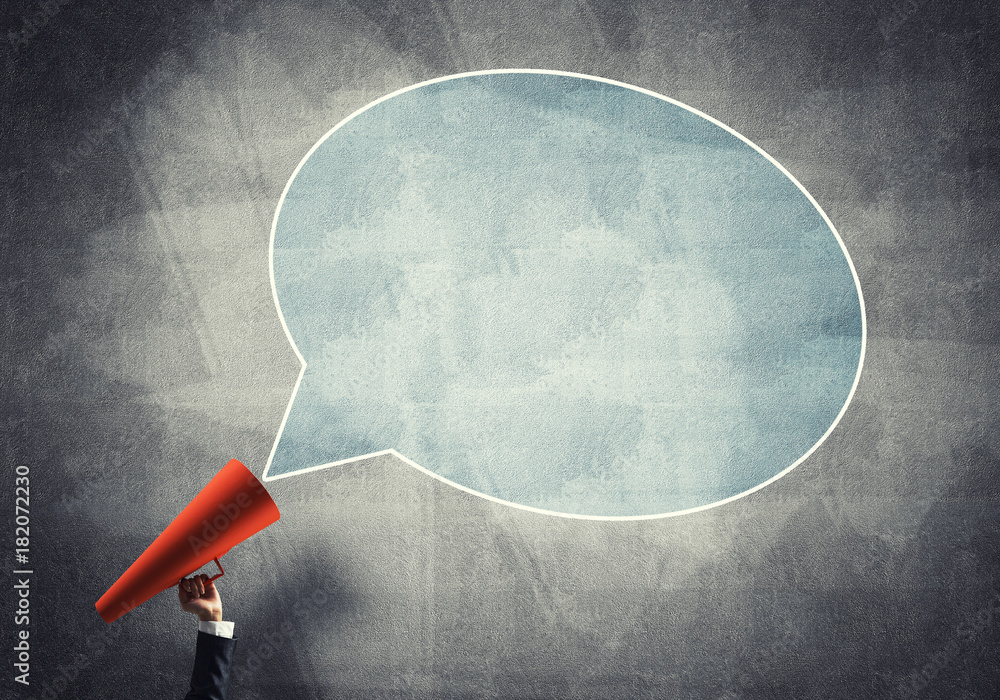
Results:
213 616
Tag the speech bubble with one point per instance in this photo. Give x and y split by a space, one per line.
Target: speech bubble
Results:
562 293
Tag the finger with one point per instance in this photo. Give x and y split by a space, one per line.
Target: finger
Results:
200 587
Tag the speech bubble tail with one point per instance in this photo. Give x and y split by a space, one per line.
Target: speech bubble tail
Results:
317 433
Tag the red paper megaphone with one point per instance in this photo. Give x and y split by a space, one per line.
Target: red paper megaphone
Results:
231 508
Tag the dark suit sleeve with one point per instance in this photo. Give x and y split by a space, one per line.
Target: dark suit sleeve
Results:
212 660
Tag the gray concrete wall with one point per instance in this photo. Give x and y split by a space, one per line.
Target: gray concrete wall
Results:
144 153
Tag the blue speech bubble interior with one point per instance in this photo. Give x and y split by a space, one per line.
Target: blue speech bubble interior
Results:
562 293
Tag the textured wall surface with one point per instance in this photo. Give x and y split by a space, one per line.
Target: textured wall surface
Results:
143 153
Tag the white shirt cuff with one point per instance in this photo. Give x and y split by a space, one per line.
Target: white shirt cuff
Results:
219 629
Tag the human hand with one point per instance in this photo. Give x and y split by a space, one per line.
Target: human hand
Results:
199 595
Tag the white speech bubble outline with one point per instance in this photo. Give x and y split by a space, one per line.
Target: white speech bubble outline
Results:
302 361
